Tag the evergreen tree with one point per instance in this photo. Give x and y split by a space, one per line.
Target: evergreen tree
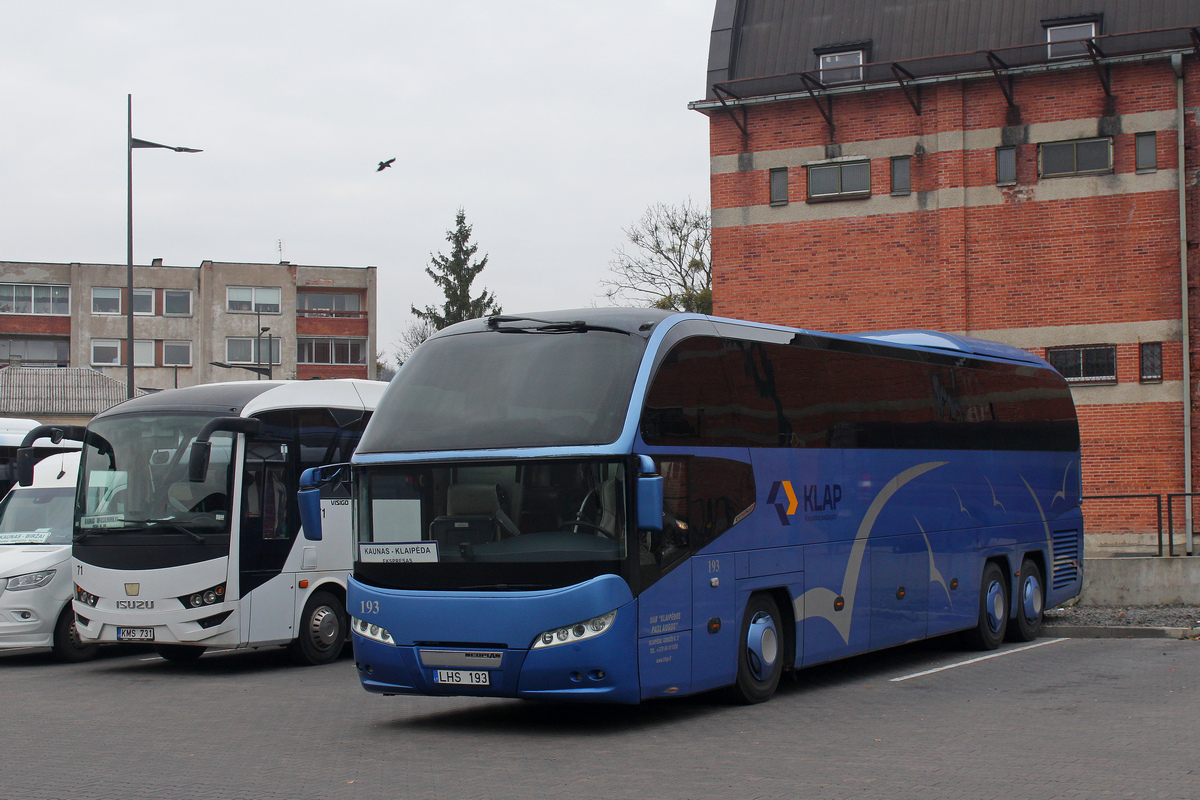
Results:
454 274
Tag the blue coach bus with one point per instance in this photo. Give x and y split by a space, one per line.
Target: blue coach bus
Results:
614 505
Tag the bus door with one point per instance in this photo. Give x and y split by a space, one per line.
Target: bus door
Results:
267 533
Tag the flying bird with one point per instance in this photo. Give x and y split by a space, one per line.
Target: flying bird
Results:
384 165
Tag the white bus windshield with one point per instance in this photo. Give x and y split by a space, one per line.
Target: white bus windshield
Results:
37 515
135 477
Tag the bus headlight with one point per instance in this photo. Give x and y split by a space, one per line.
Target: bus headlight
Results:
204 597
569 634
370 630
85 597
30 580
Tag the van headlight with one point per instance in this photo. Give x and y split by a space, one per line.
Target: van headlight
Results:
570 634
30 580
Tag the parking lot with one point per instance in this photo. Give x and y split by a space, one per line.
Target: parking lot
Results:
1065 718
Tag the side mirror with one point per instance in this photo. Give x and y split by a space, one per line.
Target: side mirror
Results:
27 457
649 496
309 497
202 448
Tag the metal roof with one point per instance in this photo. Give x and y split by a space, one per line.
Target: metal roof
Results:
43 392
754 39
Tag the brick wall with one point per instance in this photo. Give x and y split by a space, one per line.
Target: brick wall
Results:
1047 261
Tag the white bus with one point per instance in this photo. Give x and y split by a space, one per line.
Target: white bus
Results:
186 530
35 561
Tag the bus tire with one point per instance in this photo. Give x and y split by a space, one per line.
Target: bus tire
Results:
993 609
1031 604
179 653
322 631
760 651
67 645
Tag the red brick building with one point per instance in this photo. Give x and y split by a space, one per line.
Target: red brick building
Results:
1009 170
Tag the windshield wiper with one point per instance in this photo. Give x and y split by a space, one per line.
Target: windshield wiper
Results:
141 524
548 326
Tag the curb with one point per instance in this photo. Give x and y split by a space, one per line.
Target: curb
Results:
1118 632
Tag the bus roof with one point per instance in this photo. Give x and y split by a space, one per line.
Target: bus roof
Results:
643 321
243 398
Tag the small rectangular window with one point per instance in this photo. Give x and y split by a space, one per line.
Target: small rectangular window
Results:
1065 41
843 180
106 352
901 175
779 187
143 302
105 300
1150 356
143 352
1006 165
245 351
1146 147
263 299
1080 157
177 354
845 67
177 303
1085 364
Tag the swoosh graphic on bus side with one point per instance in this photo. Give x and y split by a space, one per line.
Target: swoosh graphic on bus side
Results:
1042 514
934 573
820 599
1063 493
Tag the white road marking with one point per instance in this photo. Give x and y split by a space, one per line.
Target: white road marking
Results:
976 660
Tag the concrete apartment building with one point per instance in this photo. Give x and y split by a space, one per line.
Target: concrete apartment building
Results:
320 321
1017 170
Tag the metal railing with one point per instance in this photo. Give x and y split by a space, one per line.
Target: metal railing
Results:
1158 513
1170 517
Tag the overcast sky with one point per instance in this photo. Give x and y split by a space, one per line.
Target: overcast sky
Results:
552 123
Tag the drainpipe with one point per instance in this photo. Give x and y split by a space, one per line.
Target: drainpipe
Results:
1177 65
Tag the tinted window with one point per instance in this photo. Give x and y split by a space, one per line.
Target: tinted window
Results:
496 389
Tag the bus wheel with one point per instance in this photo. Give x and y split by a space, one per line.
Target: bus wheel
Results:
760 651
993 609
322 631
179 653
1031 604
67 644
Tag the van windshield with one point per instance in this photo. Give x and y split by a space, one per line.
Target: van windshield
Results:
37 515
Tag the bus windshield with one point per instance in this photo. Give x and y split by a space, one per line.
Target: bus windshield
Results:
37 515
135 477
518 526
509 388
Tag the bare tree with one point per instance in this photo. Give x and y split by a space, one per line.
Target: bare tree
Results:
411 337
669 264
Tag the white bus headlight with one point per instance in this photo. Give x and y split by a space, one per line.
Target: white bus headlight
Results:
569 634
370 630
30 580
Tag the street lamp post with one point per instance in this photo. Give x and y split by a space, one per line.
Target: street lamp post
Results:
133 143
258 352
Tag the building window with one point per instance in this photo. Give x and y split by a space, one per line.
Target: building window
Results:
328 304
39 352
331 351
1085 364
844 67
1080 157
842 180
143 352
177 354
245 350
779 187
1150 356
1006 165
1146 151
901 175
106 352
262 299
177 303
35 298
1065 41
143 302
106 301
